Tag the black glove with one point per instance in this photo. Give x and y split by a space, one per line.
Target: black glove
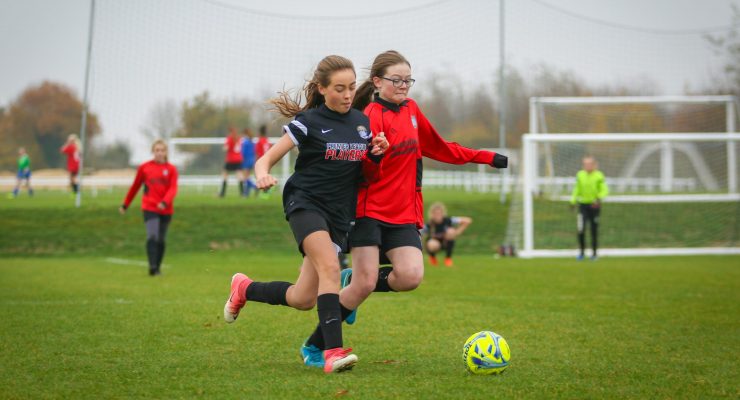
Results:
500 161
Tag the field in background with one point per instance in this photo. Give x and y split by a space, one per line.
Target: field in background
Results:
48 224
81 319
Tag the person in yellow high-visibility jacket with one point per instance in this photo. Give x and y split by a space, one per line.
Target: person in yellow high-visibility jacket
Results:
588 193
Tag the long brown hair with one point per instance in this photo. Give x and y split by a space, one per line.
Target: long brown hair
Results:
289 106
364 95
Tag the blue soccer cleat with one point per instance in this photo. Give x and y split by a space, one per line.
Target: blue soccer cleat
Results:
312 356
346 277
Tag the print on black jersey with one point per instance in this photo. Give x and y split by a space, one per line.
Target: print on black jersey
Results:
345 151
328 168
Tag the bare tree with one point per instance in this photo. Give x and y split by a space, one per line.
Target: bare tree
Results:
162 121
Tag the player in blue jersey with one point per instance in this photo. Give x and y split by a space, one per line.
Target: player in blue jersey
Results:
248 159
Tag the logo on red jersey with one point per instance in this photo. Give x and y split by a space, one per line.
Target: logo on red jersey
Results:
413 122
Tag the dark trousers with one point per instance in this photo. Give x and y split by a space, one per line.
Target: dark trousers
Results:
587 214
156 232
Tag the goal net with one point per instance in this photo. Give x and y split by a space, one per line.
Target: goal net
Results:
200 160
671 192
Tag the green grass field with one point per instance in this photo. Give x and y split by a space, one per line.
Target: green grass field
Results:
78 323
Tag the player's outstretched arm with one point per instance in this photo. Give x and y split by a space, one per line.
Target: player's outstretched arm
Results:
463 224
265 163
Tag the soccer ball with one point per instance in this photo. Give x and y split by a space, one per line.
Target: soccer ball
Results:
486 353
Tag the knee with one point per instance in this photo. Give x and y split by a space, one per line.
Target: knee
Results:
304 304
450 234
409 279
433 245
365 287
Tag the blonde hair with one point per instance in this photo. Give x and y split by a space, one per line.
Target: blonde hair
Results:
160 142
288 106
436 205
73 137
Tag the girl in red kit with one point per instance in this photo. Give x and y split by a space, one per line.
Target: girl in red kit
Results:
72 149
233 149
390 211
160 187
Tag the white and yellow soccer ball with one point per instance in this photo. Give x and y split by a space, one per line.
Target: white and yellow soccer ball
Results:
486 353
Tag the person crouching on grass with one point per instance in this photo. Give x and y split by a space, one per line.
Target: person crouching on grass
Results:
442 231
335 149
159 178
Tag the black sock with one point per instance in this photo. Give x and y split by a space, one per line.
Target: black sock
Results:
449 246
317 337
582 242
594 237
330 322
151 254
241 187
160 254
382 284
269 292
223 188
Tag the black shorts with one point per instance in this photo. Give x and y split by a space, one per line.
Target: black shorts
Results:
305 222
166 218
371 232
233 166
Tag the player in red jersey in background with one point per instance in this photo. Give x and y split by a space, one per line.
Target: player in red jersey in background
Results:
390 211
72 149
263 144
233 149
159 178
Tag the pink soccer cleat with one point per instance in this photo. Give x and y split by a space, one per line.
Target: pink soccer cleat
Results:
237 298
339 360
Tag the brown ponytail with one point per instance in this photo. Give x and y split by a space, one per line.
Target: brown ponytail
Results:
289 106
364 95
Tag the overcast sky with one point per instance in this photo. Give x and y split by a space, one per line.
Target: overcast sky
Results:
147 51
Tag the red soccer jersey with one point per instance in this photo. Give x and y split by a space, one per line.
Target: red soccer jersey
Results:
262 146
396 197
73 158
160 185
233 149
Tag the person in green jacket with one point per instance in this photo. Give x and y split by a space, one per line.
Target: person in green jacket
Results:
588 193
24 173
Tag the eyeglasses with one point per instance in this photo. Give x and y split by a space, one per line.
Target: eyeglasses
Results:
398 82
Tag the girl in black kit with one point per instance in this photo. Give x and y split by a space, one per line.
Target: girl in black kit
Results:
336 148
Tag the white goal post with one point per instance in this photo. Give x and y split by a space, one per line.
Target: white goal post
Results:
531 183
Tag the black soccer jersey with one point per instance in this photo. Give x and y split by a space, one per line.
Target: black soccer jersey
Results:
437 231
328 169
